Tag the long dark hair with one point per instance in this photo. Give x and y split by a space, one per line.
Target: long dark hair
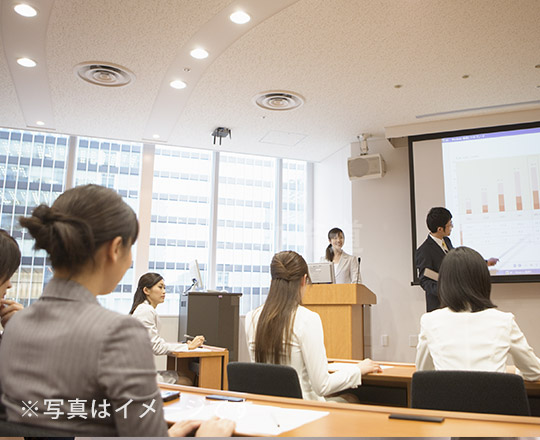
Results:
78 223
464 281
332 233
10 256
148 280
278 313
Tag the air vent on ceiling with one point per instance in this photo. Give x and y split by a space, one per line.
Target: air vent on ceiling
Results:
104 74
278 100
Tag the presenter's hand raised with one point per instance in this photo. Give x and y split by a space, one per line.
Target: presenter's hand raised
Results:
492 261
368 366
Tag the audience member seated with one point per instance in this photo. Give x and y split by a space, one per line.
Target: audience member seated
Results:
151 292
84 369
10 258
468 333
282 331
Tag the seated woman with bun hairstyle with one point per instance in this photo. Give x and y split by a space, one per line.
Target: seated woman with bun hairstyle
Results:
90 370
284 332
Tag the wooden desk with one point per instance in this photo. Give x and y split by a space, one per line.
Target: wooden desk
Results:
212 366
400 377
351 420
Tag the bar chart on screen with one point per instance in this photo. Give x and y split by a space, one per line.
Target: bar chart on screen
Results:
492 186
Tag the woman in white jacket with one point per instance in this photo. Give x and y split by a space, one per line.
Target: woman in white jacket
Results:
283 332
346 267
468 333
151 292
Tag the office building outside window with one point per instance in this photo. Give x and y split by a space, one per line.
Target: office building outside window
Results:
245 231
116 165
32 172
179 230
293 215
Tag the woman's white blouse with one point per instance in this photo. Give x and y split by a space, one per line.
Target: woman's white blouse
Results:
478 341
308 356
146 314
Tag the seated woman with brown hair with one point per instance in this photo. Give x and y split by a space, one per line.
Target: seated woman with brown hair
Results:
282 331
89 370
468 333
149 294
10 258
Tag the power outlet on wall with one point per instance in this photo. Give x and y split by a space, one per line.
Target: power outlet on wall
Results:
384 340
413 340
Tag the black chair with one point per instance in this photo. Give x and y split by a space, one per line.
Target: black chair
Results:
12 429
268 379
470 391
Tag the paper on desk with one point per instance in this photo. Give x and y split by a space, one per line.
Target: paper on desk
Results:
198 349
335 366
250 418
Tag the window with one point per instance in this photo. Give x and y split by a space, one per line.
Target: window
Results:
245 233
116 165
179 228
294 205
32 171
34 167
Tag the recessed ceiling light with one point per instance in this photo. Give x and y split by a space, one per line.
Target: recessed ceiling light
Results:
25 10
155 136
239 17
26 62
40 123
177 84
199 53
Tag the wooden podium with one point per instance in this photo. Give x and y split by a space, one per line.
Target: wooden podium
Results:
340 309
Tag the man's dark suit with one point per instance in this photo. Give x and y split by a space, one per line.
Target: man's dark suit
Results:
430 255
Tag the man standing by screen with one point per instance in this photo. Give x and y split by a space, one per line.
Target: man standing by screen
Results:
430 254
432 251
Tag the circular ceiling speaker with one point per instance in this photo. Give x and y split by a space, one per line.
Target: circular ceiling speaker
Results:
104 74
278 100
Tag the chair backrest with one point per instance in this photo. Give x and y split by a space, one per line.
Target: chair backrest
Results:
470 391
268 379
12 429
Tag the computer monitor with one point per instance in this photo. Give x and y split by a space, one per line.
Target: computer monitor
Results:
195 275
322 273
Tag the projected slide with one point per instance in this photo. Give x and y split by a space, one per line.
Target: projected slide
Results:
491 184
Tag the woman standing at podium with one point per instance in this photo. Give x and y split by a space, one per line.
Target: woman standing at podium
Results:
149 294
282 331
346 267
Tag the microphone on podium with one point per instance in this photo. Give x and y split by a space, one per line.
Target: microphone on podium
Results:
358 274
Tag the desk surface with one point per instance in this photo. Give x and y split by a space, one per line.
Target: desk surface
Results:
366 421
213 351
402 373
212 366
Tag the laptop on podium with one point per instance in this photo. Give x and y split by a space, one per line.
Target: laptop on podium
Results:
322 273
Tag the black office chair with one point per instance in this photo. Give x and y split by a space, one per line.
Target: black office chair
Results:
268 379
12 429
470 391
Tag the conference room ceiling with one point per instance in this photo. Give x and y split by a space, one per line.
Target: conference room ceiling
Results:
359 65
